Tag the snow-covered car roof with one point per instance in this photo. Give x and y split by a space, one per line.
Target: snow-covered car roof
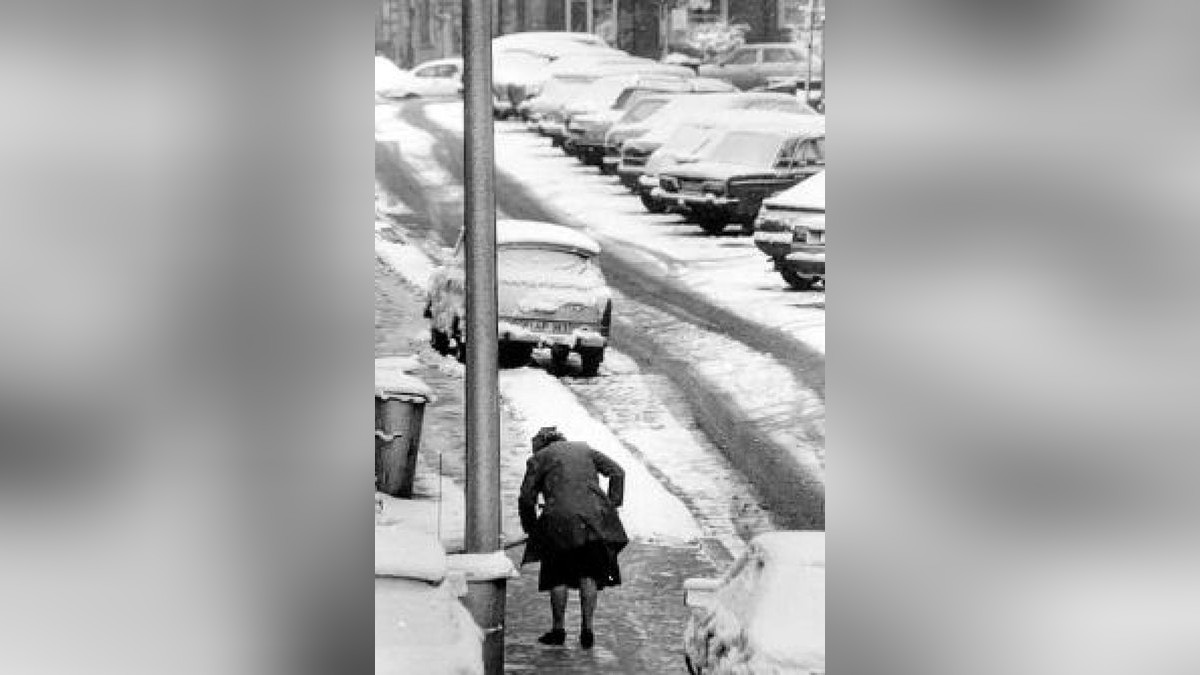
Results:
763 120
808 195
533 234
543 37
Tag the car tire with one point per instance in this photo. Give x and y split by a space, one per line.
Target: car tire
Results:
652 204
607 169
712 224
558 359
797 281
439 341
590 359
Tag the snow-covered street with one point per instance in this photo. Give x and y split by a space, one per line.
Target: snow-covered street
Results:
711 395
752 367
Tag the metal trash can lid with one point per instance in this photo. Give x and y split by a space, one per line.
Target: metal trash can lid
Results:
393 382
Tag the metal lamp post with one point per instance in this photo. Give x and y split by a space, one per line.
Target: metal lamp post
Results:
486 601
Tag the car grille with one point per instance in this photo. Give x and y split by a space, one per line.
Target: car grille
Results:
695 186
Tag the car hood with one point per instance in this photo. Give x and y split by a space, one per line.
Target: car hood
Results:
712 170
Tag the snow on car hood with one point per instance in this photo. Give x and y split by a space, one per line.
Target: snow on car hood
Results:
712 170
808 195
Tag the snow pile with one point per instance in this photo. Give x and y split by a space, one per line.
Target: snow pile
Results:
422 628
650 512
408 553
408 261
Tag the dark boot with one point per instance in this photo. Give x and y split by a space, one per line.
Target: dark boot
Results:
555 637
586 639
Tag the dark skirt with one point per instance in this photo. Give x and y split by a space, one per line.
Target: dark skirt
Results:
596 560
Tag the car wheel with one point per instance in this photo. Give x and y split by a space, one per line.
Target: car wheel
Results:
652 204
796 281
711 223
558 359
590 359
439 341
607 169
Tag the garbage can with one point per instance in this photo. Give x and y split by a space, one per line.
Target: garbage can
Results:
400 400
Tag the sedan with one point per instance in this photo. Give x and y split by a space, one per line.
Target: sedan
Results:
551 294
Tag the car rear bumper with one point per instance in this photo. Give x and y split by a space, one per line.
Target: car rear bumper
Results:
579 338
807 263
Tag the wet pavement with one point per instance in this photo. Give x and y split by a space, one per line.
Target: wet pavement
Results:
638 625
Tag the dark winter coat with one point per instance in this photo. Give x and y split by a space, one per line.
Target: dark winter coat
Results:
577 511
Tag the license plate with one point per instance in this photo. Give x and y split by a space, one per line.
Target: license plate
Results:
558 327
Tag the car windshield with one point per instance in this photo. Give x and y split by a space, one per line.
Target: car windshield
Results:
688 139
748 148
642 110
550 266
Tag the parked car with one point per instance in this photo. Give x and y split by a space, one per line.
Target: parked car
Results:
766 614
754 65
548 111
652 132
551 294
512 73
589 115
791 231
644 158
441 77
760 155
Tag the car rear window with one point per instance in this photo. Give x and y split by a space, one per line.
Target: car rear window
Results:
537 264
688 139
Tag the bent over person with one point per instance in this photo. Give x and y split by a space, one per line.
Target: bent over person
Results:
578 534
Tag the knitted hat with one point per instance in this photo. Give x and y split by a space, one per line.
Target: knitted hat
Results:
545 436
